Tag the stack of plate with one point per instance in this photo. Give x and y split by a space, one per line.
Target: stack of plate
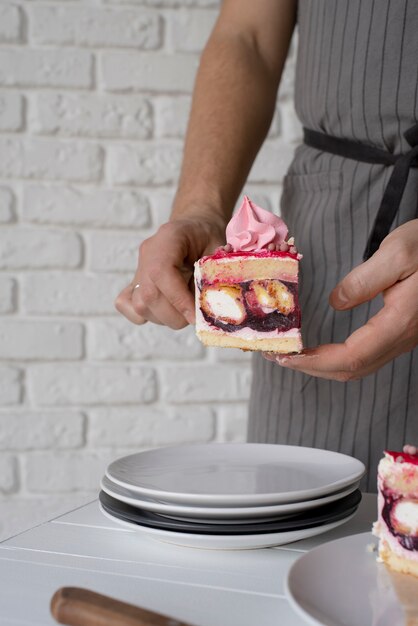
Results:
232 496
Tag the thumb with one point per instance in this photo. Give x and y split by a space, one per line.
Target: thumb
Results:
365 282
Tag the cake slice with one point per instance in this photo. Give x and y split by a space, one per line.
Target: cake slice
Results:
397 524
247 292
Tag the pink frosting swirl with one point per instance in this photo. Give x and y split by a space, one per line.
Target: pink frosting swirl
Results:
252 228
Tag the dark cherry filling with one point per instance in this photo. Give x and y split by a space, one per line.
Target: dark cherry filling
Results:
409 542
263 322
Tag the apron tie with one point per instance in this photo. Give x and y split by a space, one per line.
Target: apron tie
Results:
395 188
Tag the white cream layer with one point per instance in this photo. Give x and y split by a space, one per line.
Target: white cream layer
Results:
223 305
243 333
406 513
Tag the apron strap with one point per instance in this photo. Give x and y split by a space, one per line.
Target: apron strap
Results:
365 153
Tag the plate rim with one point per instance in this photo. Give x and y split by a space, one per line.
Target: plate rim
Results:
239 499
233 512
299 609
236 539
152 520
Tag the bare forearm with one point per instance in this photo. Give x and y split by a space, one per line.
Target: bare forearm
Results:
233 105
232 109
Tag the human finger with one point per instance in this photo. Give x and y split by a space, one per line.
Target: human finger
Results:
395 260
365 282
365 346
169 275
137 312
164 277
174 285
340 375
123 304
150 303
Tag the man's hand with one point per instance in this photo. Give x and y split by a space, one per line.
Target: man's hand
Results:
165 269
391 271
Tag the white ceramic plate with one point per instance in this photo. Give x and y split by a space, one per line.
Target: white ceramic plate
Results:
229 474
227 542
222 515
341 584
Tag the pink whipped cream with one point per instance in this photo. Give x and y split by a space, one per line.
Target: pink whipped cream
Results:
253 228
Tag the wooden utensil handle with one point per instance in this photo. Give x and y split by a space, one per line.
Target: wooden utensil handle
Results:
80 607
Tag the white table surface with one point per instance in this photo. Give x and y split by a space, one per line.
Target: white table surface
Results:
203 587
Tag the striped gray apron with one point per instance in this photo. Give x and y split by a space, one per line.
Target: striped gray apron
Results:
356 78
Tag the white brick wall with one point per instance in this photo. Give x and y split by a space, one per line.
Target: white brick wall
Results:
148 71
95 27
11 111
11 386
67 385
171 115
36 67
113 339
144 164
70 293
39 249
6 205
35 430
9 480
90 115
50 159
187 30
7 294
41 340
10 23
130 427
80 206
94 99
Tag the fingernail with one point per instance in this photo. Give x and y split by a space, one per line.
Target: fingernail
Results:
341 297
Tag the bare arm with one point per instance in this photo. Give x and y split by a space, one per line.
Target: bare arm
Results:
234 99
233 104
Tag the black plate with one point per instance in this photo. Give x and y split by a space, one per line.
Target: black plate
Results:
332 512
